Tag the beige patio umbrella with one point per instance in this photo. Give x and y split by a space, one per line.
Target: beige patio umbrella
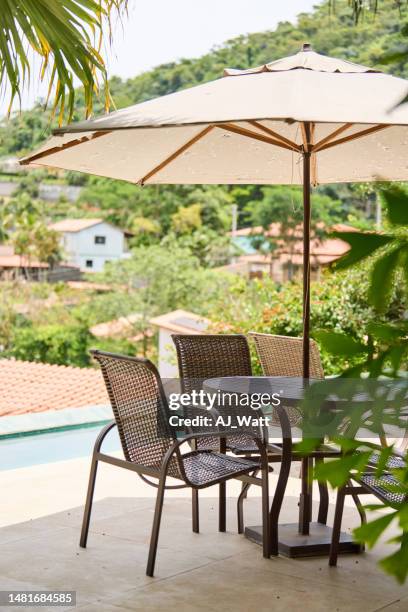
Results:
306 119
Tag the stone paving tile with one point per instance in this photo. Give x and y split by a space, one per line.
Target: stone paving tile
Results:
206 571
242 583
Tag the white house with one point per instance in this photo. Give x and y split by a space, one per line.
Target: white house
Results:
90 243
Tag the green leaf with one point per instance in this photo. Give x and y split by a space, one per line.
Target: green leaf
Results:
386 332
337 471
339 344
397 564
403 517
370 532
396 200
381 464
382 279
362 245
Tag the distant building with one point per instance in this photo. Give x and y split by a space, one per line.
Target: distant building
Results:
90 243
175 322
13 266
285 262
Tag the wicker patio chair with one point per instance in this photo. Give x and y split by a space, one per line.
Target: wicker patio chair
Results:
368 483
221 355
283 356
202 356
151 448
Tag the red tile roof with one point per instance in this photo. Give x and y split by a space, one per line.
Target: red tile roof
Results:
37 387
20 261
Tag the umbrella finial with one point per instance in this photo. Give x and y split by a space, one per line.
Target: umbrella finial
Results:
306 47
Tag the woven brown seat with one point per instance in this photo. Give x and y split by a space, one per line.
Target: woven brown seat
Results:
206 467
394 461
379 486
152 450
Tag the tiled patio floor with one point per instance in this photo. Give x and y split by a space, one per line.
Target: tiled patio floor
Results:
206 571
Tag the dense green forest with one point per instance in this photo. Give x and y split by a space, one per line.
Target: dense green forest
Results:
377 41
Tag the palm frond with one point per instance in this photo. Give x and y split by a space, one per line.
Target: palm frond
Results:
67 35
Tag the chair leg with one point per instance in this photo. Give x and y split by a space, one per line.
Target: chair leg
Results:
222 508
266 535
195 510
361 511
338 515
240 503
324 500
156 527
88 504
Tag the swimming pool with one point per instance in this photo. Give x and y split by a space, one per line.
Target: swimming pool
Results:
48 447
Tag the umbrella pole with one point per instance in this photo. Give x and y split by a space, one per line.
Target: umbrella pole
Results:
305 501
295 539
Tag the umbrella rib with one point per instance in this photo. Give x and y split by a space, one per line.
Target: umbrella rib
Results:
67 145
332 135
371 130
267 130
236 129
174 155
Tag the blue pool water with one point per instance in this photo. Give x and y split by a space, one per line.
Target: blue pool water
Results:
23 451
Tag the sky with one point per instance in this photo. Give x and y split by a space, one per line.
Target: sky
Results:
159 31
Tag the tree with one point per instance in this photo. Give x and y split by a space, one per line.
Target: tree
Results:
66 35
383 355
25 227
54 343
283 208
186 219
211 248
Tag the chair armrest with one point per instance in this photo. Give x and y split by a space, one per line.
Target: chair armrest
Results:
102 434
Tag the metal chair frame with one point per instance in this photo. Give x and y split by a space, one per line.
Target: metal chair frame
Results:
170 458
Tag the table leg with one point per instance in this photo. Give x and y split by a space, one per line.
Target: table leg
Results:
305 502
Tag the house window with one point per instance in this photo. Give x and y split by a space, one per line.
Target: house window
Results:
89 263
100 239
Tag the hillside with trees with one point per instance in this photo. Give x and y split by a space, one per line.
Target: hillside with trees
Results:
377 41
191 223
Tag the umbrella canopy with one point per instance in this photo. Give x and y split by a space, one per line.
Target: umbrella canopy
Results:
248 127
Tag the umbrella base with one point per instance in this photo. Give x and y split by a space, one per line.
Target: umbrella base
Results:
317 543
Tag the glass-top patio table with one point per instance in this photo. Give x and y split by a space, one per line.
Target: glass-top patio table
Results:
291 392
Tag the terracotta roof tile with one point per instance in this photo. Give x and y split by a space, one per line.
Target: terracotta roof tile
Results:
37 387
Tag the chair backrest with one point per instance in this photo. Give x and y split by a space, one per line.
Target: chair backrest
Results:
202 356
139 406
282 355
